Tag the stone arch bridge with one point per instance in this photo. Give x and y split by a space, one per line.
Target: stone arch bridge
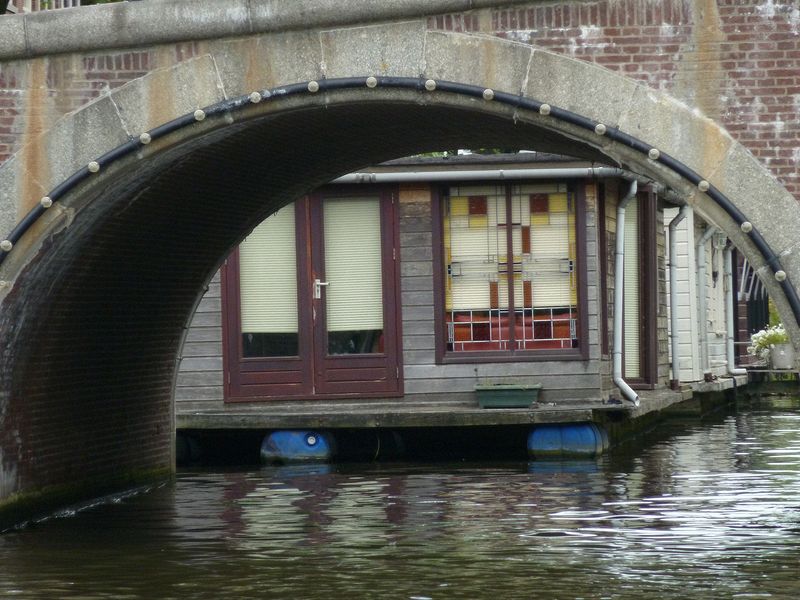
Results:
115 216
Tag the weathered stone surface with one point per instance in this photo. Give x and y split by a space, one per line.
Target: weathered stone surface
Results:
165 94
129 25
395 49
261 62
477 60
82 137
674 128
583 88
10 179
12 32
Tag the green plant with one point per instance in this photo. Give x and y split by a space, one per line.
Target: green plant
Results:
762 341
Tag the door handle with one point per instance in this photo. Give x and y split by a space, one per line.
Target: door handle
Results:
318 288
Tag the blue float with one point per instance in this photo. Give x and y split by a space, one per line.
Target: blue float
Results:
567 440
297 446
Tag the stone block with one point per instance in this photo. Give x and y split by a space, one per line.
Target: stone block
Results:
10 181
760 197
12 32
80 138
674 128
395 50
126 24
164 94
267 61
582 88
477 60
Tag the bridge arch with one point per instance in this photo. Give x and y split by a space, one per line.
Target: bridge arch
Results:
145 190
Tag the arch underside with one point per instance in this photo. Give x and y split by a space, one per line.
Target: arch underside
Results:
101 292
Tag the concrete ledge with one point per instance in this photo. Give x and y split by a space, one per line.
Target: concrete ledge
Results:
429 417
131 24
718 385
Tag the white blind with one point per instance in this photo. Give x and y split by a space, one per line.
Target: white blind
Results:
353 264
268 276
631 293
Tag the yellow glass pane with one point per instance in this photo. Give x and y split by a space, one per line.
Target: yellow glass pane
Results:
558 203
478 221
540 219
459 207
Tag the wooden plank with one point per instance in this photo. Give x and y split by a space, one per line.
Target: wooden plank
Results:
204 334
416 284
199 393
416 239
416 268
199 378
196 349
419 342
418 357
209 319
418 313
417 298
424 327
416 253
209 304
201 364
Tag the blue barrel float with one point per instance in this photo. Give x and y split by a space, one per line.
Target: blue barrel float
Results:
579 440
289 446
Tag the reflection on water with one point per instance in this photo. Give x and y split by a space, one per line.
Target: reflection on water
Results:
707 511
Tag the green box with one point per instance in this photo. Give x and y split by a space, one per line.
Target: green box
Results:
506 395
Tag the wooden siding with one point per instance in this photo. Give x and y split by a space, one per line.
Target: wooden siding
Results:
199 379
200 376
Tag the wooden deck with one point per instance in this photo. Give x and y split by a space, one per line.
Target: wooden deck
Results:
386 414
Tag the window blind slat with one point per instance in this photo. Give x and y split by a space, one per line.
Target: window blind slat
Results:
268 276
353 268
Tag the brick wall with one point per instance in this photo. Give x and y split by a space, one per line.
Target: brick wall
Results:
738 61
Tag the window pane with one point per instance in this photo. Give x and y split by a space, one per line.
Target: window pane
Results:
480 278
268 287
354 272
545 293
477 269
631 292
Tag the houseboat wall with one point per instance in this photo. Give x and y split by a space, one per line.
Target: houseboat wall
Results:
200 380
687 330
645 283
714 289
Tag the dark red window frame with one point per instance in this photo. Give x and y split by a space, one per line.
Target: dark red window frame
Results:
578 191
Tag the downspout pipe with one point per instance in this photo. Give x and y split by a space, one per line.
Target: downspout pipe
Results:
619 294
729 324
673 295
702 316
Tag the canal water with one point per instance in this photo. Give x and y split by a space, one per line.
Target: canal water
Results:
697 509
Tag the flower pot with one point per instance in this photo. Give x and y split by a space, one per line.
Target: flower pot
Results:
781 356
507 395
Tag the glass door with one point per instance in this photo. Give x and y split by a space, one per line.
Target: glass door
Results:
311 301
355 335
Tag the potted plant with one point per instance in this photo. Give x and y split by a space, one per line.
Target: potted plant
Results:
772 345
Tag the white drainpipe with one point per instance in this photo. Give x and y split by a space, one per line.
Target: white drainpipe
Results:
729 324
673 294
702 316
619 282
